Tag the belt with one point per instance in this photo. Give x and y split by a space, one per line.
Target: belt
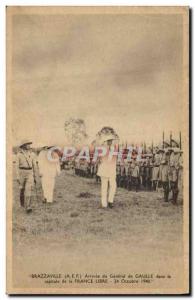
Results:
23 168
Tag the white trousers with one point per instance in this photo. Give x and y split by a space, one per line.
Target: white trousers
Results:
108 186
48 183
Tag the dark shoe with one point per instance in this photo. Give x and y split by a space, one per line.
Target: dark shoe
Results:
110 205
29 210
174 202
44 200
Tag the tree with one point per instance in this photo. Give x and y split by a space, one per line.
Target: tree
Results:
75 131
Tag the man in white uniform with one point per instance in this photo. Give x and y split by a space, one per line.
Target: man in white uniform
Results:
48 170
107 172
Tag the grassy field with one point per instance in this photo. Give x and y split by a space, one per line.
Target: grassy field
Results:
141 233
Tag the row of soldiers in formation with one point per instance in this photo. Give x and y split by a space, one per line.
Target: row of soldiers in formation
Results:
161 169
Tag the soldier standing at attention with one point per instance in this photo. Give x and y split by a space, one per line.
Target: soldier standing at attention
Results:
148 172
122 174
173 174
118 173
164 178
142 173
97 177
156 168
126 178
129 176
135 174
25 173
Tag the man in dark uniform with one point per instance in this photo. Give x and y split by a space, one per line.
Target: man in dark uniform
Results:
118 173
122 174
25 173
173 174
135 174
164 178
148 172
142 173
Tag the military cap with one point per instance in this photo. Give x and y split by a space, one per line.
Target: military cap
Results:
160 150
177 150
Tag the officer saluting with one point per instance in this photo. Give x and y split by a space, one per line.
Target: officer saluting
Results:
25 167
107 168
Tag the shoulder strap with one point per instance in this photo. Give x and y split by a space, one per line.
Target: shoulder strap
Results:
27 159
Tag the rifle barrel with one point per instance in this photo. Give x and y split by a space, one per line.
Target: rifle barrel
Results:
163 139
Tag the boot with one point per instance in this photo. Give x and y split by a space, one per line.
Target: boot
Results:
166 196
174 201
110 205
166 192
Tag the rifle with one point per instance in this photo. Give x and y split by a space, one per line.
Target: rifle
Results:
171 139
163 140
180 140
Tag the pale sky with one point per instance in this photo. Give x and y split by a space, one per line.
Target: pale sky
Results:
123 71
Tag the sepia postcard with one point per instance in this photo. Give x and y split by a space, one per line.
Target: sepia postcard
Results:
97 150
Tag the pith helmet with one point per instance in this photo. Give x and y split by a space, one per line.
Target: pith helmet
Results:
160 150
177 150
25 142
